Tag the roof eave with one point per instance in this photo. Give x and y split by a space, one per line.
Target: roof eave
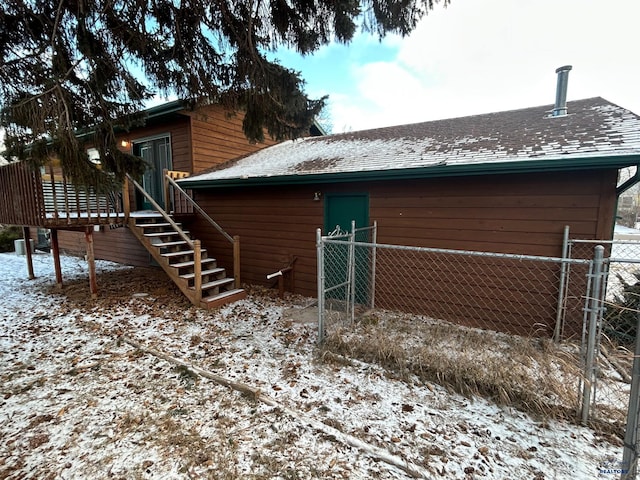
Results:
164 109
529 166
157 113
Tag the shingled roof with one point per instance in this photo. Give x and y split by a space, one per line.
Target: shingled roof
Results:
595 134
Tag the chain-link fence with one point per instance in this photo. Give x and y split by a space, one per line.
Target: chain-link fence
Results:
507 304
518 294
613 363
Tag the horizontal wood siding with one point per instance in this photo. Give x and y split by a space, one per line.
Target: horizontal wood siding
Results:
71 242
178 129
218 138
522 214
274 224
519 214
116 245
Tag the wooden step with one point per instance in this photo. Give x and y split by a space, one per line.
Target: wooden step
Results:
180 253
214 271
145 214
162 232
191 262
155 225
223 298
169 244
170 233
216 283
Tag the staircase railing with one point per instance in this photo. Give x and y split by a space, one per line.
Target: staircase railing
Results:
180 196
193 244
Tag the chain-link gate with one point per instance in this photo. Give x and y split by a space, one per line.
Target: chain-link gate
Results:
346 274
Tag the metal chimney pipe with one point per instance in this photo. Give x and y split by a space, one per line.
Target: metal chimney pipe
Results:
561 91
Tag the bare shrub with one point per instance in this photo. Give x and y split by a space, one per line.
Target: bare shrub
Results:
532 374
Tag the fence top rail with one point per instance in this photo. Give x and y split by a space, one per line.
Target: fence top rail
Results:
509 256
362 229
608 242
622 260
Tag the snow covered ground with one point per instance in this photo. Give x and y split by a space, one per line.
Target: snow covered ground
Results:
80 402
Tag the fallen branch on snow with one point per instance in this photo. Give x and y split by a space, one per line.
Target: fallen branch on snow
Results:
378 453
82 368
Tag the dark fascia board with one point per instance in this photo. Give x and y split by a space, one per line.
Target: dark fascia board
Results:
164 109
529 166
154 113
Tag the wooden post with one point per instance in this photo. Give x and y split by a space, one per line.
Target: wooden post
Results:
126 203
91 262
281 286
55 250
165 183
290 272
197 271
292 280
27 248
236 261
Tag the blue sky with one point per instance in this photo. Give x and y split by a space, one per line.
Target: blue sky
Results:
479 56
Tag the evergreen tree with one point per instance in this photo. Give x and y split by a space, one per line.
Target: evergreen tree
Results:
88 66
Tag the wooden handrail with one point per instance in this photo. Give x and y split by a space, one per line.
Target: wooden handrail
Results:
200 210
161 211
235 241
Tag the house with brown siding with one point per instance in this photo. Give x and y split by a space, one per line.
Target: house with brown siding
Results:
140 224
173 138
504 182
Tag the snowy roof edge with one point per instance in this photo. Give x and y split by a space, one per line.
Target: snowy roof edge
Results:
598 134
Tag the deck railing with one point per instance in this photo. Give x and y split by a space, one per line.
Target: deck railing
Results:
47 198
22 197
182 203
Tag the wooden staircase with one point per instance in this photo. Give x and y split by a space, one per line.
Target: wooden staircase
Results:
166 243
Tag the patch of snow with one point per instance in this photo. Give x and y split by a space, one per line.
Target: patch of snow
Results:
622 230
79 403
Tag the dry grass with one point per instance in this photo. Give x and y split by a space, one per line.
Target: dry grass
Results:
533 375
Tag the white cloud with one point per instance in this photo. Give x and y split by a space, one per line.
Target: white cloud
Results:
378 87
476 57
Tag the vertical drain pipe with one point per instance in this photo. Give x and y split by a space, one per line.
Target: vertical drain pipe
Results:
560 107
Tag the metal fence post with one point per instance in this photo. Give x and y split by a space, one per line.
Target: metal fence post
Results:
594 311
351 297
374 240
630 454
557 334
320 280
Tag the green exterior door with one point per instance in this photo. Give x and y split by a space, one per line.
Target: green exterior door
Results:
340 210
157 155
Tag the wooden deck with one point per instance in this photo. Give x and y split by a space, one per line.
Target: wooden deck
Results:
47 199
